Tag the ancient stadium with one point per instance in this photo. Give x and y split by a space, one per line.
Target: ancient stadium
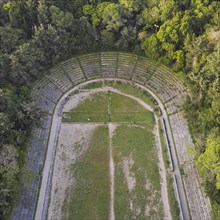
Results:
112 144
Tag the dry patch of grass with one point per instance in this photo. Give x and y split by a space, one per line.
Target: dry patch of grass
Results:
89 197
137 179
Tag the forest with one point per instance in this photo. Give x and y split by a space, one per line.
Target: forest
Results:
37 34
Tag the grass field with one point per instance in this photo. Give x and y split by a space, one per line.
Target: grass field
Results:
89 198
136 177
126 88
137 185
109 107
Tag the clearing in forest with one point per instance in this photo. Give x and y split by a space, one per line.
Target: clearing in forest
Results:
106 162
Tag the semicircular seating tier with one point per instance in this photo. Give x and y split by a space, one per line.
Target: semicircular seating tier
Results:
110 65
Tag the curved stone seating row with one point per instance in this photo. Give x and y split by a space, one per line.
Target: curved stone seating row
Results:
26 209
46 105
73 70
167 74
34 161
125 66
162 92
199 204
59 78
108 64
181 135
143 70
129 66
175 104
90 64
161 79
49 89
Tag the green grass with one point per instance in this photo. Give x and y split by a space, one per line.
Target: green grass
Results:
120 103
93 85
146 117
89 198
135 140
126 88
27 176
131 90
137 143
109 107
85 117
97 102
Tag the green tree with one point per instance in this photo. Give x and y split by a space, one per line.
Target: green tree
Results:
26 65
5 127
60 18
9 170
133 5
52 42
4 69
151 17
152 46
113 17
209 162
10 38
43 12
179 59
107 39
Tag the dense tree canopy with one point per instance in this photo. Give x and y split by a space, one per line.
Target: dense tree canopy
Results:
37 34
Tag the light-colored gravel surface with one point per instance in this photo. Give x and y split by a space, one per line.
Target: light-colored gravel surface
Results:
73 142
111 128
128 174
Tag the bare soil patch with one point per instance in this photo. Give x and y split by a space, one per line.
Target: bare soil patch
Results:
73 142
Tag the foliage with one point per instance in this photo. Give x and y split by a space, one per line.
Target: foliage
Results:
8 173
208 162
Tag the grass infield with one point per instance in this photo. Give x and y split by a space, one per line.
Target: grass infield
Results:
137 189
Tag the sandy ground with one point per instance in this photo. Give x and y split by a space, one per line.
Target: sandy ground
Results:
128 174
111 128
73 142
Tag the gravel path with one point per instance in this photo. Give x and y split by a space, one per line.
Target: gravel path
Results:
111 128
